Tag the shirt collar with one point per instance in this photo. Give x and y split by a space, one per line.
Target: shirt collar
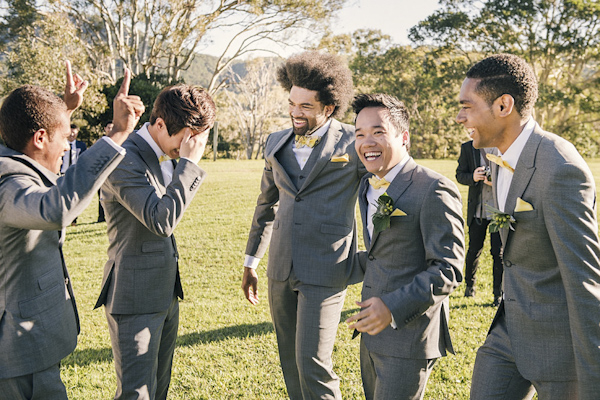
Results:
322 130
513 153
145 134
391 175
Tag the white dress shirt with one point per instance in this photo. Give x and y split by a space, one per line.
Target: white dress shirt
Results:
166 166
511 156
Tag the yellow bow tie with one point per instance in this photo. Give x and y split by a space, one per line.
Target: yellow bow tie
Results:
377 183
164 157
498 160
302 140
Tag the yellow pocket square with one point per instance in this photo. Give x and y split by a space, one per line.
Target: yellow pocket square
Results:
343 158
522 206
397 213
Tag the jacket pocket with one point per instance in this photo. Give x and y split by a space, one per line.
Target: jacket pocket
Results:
48 299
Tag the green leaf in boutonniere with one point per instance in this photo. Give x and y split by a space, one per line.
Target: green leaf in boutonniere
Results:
499 219
384 211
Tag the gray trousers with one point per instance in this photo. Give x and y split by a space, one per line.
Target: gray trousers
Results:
42 385
393 378
143 347
496 376
306 319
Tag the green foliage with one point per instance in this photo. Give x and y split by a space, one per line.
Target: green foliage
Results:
426 79
560 38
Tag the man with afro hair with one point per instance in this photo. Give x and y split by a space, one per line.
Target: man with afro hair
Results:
306 212
545 336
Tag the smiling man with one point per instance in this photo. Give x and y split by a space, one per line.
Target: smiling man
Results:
144 200
415 251
39 322
306 213
546 333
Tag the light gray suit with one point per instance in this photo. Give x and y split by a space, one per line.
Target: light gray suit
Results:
308 217
38 316
141 280
547 329
412 266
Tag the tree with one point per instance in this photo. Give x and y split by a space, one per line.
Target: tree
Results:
162 36
426 79
256 103
560 38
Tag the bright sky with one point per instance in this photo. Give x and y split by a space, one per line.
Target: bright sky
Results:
392 17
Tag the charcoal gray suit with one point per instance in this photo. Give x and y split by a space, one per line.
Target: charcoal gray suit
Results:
412 266
547 329
141 280
38 316
308 218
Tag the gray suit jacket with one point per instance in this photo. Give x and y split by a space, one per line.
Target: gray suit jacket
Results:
416 263
38 316
313 226
142 274
552 266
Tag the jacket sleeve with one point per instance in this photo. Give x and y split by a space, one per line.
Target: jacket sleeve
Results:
464 171
442 234
264 213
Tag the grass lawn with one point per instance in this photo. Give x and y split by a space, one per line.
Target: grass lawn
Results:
226 347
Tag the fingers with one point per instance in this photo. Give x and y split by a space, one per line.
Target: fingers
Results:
124 89
69 78
250 285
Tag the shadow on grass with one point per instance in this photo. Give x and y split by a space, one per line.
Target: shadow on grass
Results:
86 357
230 332
465 306
348 313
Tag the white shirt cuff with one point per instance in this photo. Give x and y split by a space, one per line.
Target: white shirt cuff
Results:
393 323
251 261
118 148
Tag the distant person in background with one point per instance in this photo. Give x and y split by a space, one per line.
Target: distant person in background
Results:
76 147
101 217
474 171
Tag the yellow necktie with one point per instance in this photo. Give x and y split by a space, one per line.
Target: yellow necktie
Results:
498 160
164 157
302 140
377 183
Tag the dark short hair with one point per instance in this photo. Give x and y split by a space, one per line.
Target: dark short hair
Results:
506 74
397 111
324 73
26 110
184 106
73 126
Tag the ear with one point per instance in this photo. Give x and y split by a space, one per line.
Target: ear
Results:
405 137
505 105
39 138
328 110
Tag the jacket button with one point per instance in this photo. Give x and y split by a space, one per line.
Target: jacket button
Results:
507 263
298 198
371 257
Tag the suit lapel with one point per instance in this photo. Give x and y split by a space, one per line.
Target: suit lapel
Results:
523 172
325 150
276 164
397 188
149 157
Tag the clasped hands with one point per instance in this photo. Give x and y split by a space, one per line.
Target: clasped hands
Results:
373 317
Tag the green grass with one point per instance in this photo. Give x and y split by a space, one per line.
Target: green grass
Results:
226 347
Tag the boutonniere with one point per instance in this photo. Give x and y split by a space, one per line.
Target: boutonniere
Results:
499 219
384 211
